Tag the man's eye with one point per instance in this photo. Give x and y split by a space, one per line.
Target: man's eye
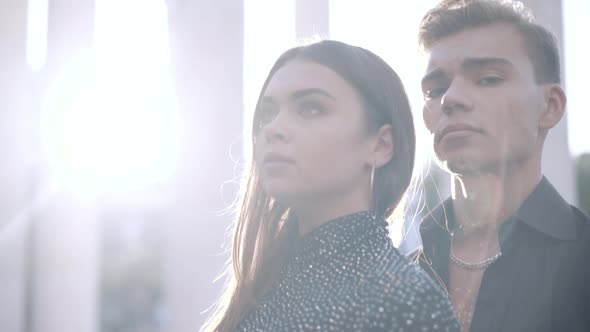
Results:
489 80
434 93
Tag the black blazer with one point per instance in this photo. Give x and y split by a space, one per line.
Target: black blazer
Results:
542 280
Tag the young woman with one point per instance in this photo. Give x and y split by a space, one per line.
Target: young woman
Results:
333 142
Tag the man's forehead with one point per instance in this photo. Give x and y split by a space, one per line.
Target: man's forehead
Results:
493 41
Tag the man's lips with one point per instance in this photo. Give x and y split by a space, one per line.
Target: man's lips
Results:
455 128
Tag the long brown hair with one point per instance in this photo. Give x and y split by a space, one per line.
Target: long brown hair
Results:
265 231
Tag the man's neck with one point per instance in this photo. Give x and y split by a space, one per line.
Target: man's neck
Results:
484 201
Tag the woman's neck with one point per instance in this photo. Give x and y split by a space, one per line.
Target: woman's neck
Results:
314 214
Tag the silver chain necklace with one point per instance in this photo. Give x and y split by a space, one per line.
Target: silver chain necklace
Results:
474 266
471 266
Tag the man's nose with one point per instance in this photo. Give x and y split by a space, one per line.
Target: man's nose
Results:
456 97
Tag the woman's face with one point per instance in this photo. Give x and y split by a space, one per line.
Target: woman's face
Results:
312 143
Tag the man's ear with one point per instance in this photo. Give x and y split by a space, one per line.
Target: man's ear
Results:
553 107
382 146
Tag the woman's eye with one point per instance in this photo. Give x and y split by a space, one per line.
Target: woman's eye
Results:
310 109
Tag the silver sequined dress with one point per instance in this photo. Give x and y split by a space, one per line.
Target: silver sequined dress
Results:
346 275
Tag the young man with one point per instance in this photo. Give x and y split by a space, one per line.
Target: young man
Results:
513 255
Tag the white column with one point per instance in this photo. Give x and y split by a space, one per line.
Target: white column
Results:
558 163
65 270
207 53
13 277
16 155
312 18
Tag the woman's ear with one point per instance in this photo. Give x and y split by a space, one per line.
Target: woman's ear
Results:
382 146
554 106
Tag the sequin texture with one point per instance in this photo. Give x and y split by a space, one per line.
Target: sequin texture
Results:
346 275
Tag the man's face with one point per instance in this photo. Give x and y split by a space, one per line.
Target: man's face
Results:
482 103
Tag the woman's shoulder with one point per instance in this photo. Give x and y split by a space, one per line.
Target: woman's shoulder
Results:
402 296
400 278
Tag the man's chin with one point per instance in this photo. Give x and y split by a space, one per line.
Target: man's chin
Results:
460 165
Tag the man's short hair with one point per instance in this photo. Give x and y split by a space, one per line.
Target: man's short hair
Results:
453 16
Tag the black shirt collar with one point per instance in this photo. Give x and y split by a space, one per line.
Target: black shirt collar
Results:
547 212
544 210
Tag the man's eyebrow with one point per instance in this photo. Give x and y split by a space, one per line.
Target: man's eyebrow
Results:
436 74
468 64
473 63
